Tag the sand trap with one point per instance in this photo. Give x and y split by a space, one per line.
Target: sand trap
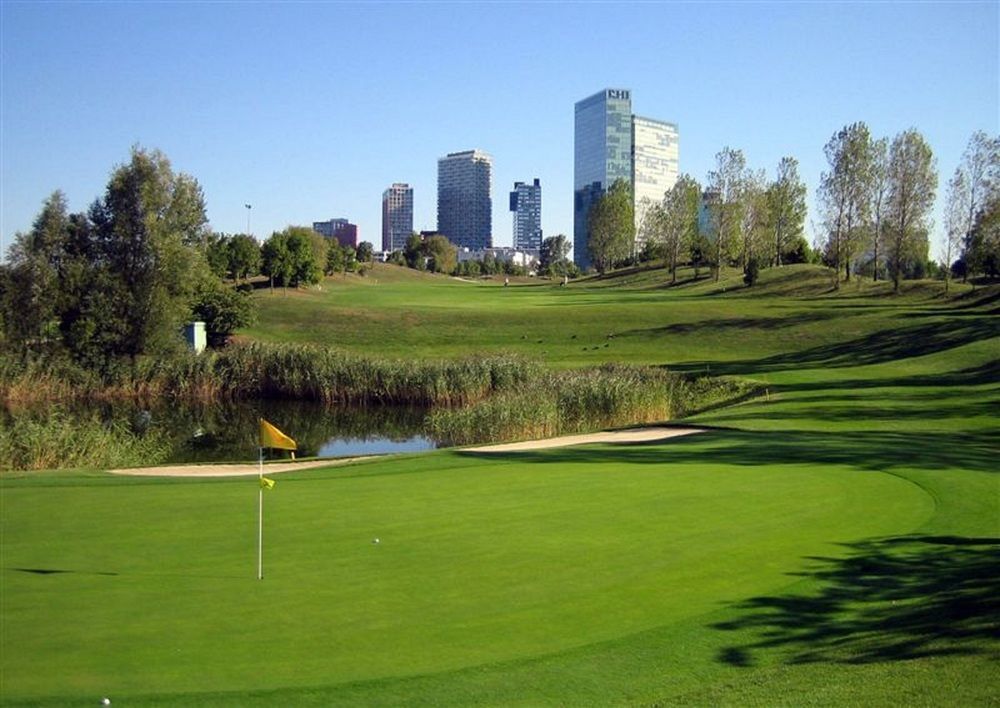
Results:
632 435
230 470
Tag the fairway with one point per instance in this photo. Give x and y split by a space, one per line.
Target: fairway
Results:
835 540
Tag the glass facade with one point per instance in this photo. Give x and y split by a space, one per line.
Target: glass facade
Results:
397 216
526 203
465 203
602 154
654 163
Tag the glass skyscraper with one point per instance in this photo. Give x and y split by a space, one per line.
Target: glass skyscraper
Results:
397 216
654 164
611 144
526 203
465 203
602 154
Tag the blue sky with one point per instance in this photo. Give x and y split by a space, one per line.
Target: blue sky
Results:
309 110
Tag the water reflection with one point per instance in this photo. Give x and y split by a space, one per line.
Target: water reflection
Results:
227 431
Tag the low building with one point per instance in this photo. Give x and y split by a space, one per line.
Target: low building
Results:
342 230
502 254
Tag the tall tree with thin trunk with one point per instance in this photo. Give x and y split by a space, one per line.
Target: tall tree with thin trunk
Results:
954 220
679 211
878 189
612 227
724 204
980 169
912 185
843 194
753 215
786 207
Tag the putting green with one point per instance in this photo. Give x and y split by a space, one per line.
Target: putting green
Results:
135 587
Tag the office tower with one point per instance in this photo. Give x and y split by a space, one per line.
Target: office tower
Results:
654 165
465 204
526 203
610 143
397 216
342 230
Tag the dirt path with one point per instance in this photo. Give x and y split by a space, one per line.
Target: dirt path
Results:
230 470
632 435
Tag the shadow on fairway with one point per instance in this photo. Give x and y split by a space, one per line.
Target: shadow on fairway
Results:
878 451
889 600
891 345
108 573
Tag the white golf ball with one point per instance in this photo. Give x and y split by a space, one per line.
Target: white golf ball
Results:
106 701
377 541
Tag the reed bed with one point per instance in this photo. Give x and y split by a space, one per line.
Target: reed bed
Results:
569 402
59 439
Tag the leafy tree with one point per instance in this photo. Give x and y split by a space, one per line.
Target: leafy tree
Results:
243 257
442 256
223 309
413 252
753 216
365 252
334 261
844 194
350 257
217 254
276 259
786 207
679 225
611 227
954 221
912 184
489 264
979 186
724 206
751 272
308 251
553 255
146 227
982 254
877 194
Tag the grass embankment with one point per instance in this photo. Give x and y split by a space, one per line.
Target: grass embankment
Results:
835 544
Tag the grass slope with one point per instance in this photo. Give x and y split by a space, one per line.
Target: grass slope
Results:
834 542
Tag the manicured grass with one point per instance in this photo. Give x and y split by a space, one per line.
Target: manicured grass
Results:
834 542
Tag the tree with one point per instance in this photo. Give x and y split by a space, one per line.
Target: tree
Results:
442 256
786 208
413 252
276 260
912 183
217 254
955 223
365 252
724 206
983 250
611 227
844 194
553 255
980 168
243 257
146 227
679 225
878 191
223 309
753 216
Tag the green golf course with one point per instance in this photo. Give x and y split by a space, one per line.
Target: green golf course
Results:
834 539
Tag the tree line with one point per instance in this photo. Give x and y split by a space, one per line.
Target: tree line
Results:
874 201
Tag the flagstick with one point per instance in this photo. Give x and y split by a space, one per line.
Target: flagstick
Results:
260 514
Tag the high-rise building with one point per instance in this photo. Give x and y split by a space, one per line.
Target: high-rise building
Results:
610 143
465 203
345 233
654 165
397 216
526 203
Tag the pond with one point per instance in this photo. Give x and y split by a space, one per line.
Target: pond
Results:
227 431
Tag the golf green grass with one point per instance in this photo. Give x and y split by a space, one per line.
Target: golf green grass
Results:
835 541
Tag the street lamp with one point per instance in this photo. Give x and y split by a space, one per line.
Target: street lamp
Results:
249 207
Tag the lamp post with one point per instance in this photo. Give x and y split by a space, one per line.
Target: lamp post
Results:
249 207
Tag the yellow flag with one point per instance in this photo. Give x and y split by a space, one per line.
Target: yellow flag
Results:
272 437
266 483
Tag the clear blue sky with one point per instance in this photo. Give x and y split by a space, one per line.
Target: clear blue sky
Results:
309 110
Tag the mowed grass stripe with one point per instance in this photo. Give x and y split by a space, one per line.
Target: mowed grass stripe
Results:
481 561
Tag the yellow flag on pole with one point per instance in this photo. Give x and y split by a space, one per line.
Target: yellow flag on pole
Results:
266 483
272 437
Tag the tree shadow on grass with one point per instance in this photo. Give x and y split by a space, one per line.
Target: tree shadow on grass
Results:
877 451
890 599
875 348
